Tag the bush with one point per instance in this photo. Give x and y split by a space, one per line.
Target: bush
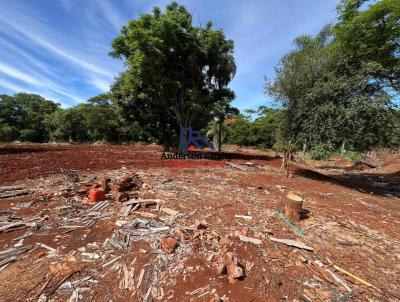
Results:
353 156
322 151
27 135
7 133
239 133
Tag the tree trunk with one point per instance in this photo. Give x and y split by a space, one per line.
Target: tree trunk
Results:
343 147
220 134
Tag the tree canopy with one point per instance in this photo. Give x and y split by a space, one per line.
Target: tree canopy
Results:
23 115
176 72
336 86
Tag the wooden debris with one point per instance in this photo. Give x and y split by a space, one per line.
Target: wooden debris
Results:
170 211
14 252
125 183
140 279
240 167
74 296
44 286
52 250
338 280
10 188
244 217
90 256
145 214
281 188
293 243
65 278
7 192
6 262
251 240
16 226
353 276
111 261
160 229
200 290
127 281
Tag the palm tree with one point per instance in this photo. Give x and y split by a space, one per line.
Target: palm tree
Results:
218 131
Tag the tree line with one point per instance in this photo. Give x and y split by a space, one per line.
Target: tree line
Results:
334 90
30 117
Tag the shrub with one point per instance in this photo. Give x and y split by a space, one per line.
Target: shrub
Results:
27 135
322 151
7 133
353 156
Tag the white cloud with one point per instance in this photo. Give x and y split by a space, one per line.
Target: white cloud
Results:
101 84
58 50
38 32
11 86
16 88
9 48
36 80
17 74
111 14
60 66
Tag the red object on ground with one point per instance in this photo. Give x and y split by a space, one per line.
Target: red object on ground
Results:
96 195
191 148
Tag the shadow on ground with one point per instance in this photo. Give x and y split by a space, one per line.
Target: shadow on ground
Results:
7 150
375 183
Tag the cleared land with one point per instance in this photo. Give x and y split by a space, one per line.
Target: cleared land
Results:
57 247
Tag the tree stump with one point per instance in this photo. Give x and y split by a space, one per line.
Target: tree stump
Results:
293 206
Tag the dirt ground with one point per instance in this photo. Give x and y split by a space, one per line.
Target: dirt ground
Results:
56 247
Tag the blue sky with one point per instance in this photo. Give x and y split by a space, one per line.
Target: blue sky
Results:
59 48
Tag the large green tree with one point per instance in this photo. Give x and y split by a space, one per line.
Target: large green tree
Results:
176 72
368 33
336 87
